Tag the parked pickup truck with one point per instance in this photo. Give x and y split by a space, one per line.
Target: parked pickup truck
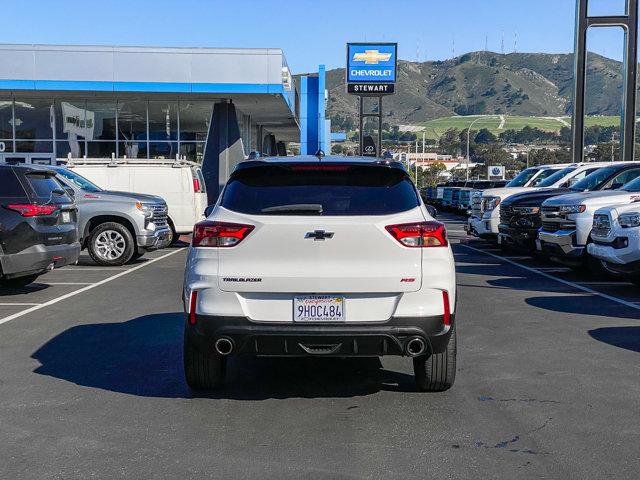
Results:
567 221
520 217
616 240
116 227
552 176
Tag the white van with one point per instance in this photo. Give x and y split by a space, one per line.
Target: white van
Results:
179 182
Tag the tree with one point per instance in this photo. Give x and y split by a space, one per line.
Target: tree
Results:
430 176
449 142
484 137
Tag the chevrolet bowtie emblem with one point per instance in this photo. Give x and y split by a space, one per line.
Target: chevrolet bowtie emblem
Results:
371 57
319 235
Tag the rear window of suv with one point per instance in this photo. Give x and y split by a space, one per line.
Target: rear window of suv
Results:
10 186
43 184
331 190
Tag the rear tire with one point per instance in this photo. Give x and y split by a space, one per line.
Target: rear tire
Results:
111 244
203 371
18 282
437 372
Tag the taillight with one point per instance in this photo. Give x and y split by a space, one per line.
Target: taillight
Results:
447 308
192 308
420 235
196 185
219 234
30 210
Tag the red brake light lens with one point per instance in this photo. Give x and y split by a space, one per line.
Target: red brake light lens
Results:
192 308
196 185
447 308
219 234
420 235
30 210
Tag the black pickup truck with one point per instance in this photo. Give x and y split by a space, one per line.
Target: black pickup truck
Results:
38 225
520 217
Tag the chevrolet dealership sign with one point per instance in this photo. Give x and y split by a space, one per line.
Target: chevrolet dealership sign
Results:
371 68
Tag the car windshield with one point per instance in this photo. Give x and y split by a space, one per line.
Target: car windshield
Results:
556 177
633 186
523 177
331 191
594 180
79 181
543 174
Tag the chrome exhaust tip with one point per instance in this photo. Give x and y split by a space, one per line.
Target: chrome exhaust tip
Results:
224 346
416 347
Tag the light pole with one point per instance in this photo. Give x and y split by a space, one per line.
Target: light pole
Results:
469 139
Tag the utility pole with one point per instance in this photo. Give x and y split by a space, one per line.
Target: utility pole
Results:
502 47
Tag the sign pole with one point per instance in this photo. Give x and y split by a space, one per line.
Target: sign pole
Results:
361 125
380 126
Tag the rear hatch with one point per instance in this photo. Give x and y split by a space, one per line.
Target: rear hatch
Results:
320 229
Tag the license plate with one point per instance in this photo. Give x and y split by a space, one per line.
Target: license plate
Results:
538 245
66 217
318 308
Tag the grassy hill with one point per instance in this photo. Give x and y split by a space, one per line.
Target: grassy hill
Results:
486 83
435 128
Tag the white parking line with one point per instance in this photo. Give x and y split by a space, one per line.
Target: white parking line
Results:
18 304
84 269
88 287
559 280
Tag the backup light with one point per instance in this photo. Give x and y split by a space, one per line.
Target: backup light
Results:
31 210
420 234
219 234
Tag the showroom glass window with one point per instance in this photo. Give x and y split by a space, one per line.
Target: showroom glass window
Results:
33 122
132 128
101 128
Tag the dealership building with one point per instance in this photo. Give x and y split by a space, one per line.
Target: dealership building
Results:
209 105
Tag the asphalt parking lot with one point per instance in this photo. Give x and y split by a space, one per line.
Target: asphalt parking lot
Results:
91 385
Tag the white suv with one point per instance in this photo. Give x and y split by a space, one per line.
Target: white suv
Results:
307 256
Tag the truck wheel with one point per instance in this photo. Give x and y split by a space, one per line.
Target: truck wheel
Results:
203 371
111 244
18 282
437 372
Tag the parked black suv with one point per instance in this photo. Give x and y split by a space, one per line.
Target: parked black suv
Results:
38 229
520 217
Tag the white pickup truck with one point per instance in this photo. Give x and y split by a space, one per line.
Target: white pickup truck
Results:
567 221
485 223
616 240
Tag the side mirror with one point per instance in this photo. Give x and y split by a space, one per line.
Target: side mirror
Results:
616 186
70 191
209 210
432 211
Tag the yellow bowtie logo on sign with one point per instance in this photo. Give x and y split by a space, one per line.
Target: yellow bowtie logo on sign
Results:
371 57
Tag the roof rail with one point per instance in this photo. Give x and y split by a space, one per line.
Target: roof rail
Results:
116 162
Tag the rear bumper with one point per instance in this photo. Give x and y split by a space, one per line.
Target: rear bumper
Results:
38 259
295 340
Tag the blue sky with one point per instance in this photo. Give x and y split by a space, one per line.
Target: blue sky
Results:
309 31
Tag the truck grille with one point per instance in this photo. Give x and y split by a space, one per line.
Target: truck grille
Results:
553 220
601 225
506 214
160 214
476 203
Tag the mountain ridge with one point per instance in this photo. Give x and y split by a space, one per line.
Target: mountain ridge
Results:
486 83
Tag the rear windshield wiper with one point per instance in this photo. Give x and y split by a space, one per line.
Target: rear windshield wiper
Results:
295 208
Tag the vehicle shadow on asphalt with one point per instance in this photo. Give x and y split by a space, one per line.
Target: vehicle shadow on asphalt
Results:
587 305
12 291
143 357
621 337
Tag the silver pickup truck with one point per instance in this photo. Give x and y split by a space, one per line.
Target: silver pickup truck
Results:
116 227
